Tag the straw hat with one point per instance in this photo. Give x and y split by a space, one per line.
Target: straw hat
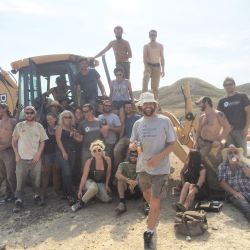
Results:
231 147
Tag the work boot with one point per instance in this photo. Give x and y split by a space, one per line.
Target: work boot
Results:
78 205
121 208
18 206
148 240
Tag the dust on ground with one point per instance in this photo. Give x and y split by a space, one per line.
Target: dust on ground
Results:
96 227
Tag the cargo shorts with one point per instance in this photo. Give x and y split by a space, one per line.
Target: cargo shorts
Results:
157 183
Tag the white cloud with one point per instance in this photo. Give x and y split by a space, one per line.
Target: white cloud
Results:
24 6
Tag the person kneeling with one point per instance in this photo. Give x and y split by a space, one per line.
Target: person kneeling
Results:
193 176
127 183
95 178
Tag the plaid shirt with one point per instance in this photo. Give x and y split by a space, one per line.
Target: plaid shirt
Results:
236 178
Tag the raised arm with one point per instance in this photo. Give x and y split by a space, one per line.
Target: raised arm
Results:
104 50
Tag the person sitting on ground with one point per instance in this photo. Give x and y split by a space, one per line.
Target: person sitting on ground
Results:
120 92
60 91
95 178
234 177
127 183
193 176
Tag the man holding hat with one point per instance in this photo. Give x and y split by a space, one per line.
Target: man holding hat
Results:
234 177
28 141
155 138
127 182
7 156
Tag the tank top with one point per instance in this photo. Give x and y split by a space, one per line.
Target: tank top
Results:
98 176
67 140
120 90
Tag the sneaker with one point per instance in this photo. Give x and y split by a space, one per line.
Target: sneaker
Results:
38 201
18 206
121 208
148 240
146 208
7 199
78 205
71 200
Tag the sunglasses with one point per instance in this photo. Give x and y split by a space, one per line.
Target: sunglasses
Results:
228 84
67 117
232 152
29 113
98 150
85 111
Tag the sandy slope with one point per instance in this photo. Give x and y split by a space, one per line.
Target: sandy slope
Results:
96 227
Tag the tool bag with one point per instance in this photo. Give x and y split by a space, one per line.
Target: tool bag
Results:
191 223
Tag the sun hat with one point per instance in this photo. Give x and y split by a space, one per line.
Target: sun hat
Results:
231 147
146 97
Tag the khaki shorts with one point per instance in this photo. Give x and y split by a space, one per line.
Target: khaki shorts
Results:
157 183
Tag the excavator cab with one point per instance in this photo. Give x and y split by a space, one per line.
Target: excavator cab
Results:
38 75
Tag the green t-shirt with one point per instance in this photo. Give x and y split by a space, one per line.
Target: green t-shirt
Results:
128 170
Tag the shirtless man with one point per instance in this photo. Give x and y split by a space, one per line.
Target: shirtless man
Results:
213 127
154 63
121 50
7 156
60 91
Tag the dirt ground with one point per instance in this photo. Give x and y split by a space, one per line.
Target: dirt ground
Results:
96 227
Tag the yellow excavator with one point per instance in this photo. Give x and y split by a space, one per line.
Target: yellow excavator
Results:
37 75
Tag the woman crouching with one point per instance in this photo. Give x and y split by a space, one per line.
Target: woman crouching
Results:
95 178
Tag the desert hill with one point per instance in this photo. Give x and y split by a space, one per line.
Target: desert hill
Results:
171 97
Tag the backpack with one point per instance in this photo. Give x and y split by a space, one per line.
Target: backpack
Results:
190 223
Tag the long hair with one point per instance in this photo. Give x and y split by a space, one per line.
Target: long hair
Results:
65 112
194 161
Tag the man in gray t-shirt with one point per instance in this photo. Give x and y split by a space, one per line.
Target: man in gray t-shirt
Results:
89 130
157 137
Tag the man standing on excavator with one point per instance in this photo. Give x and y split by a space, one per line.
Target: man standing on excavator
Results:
122 51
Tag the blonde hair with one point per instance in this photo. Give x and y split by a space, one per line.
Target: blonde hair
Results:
97 143
60 120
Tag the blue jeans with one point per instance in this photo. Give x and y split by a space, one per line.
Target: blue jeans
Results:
67 169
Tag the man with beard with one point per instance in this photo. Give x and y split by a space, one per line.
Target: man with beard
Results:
28 142
127 184
7 156
213 126
157 137
154 63
110 128
236 107
121 50
234 176
86 83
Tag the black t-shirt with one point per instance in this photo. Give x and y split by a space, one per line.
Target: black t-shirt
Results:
50 144
88 83
234 109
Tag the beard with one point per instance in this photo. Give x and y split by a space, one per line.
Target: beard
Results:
119 37
148 111
30 119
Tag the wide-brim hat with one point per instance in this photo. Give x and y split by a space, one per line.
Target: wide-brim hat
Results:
231 147
146 97
203 99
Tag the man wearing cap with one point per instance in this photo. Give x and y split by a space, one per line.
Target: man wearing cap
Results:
7 156
155 138
121 50
234 176
213 126
154 64
127 183
236 107
28 141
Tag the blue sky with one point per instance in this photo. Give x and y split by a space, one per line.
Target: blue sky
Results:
205 39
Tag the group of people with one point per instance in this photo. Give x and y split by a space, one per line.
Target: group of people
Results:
218 160
93 150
